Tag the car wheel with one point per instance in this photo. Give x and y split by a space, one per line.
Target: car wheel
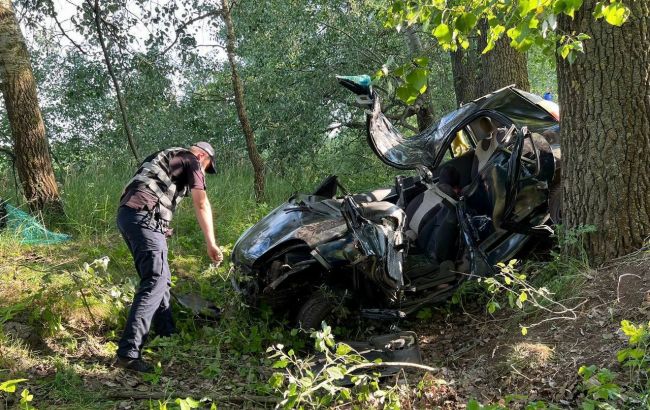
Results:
320 306
555 204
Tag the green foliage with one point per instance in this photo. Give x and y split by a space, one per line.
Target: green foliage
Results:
520 293
155 376
303 384
602 390
599 386
525 23
9 386
188 403
25 400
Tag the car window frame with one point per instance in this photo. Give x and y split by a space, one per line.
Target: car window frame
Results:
495 115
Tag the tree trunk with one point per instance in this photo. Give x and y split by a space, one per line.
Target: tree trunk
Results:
423 104
605 131
501 66
109 67
464 68
253 154
27 129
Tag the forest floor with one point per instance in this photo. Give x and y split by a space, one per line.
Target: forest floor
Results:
65 349
486 357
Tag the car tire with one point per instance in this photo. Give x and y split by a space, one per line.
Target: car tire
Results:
316 309
555 204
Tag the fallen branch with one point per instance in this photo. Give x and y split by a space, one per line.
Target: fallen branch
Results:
400 364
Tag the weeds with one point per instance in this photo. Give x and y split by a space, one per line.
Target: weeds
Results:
600 385
519 292
9 387
304 382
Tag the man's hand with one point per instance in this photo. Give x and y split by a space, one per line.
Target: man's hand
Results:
215 254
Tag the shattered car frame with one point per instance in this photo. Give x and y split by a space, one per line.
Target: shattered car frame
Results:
318 252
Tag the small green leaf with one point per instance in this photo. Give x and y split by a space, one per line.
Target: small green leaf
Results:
571 7
465 22
25 397
616 13
417 80
559 6
565 50
421 61
523 296
598 10
406 94
10 385
335 373
276 380
399 71
188 403
280 364
443 34
342 349
588 405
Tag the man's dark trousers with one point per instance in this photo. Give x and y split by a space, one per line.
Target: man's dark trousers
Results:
146 241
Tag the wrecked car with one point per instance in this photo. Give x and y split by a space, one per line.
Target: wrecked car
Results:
480 193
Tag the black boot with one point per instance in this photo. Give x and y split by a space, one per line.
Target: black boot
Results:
137 365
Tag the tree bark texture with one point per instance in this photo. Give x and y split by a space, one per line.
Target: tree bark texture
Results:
605 131
118 91
423 105
464 68
32 156
501 66
253 154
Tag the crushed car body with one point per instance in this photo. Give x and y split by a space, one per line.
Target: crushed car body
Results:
479 194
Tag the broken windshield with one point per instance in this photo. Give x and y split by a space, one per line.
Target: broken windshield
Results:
421 149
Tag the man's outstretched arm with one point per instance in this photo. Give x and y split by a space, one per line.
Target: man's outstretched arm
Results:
203 212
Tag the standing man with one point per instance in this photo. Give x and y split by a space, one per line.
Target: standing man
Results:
146 208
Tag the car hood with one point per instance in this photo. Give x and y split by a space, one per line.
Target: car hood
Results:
309 219
425 148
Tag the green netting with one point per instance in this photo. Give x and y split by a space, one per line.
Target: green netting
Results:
27 229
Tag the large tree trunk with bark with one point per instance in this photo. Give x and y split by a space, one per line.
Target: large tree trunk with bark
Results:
464 68
253 154
501 66
605 131
33 159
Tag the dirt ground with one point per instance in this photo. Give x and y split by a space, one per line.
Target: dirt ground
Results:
486 357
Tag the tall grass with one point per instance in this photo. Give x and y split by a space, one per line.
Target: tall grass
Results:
91 199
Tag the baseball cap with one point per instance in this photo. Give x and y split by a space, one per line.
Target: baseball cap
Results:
212 168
